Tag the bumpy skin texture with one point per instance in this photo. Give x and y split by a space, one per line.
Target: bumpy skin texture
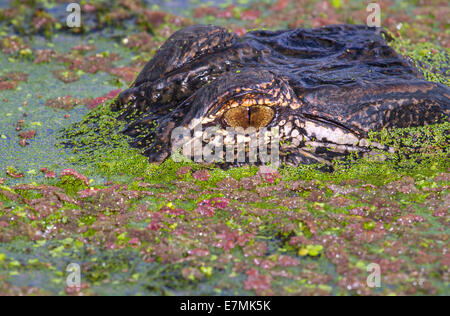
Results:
325 88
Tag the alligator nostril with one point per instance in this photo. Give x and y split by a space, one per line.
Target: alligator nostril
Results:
130 98
126 97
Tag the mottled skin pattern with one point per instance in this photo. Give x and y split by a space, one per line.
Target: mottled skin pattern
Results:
325 88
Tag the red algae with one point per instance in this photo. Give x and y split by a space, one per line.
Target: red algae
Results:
76 175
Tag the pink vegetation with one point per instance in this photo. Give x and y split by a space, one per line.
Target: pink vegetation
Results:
76 175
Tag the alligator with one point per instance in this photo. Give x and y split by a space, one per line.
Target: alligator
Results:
324 89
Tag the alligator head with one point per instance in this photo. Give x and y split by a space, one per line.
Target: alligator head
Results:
317 91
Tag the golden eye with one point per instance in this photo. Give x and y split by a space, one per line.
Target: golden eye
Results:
261 116
237 117
253 116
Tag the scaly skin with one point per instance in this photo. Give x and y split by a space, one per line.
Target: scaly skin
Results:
325 88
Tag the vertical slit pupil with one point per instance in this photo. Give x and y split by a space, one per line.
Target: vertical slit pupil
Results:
254 116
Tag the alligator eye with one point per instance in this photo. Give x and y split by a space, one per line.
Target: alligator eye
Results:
253 116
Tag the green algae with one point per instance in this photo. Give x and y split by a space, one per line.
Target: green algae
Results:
431 60
95 141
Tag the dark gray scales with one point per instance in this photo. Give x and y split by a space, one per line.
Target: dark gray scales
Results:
331 85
